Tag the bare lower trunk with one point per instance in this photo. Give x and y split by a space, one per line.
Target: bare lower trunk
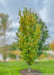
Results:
17 57
28 68
4 60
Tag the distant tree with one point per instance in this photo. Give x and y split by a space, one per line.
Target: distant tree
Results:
4 28
13 47
52 45
28 34
44 34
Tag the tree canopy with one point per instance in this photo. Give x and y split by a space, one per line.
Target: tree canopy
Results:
28 34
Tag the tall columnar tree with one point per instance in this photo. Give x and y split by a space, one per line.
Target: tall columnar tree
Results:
5 27
29 34
44 33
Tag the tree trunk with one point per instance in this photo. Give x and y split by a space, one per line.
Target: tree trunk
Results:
17 57
28 68
4 60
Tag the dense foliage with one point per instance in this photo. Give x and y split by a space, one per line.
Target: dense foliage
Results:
28 35
44 33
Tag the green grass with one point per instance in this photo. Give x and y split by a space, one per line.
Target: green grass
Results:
13 68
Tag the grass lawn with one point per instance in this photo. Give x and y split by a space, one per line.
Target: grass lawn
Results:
13 68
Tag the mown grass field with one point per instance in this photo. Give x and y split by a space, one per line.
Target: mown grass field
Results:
13 68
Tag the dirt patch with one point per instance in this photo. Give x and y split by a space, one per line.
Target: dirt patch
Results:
33 72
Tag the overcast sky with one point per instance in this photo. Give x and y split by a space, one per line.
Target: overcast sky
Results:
45 8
